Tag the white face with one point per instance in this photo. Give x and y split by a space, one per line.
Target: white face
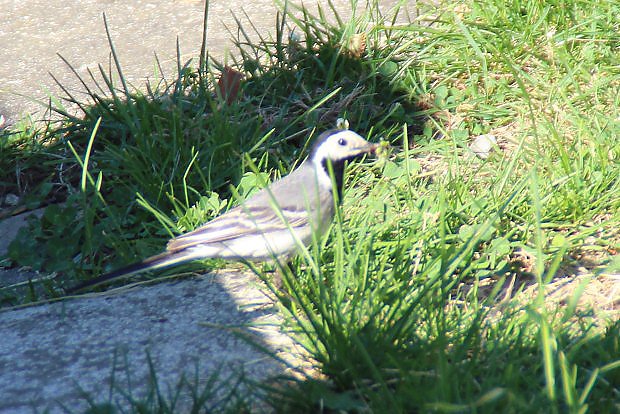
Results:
342 145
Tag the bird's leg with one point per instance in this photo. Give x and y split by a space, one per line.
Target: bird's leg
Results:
274 272
279 276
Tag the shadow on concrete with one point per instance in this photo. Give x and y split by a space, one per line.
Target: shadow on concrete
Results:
52 354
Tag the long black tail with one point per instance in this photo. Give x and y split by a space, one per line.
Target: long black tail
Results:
159 261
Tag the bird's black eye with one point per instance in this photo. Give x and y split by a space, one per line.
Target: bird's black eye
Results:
342 142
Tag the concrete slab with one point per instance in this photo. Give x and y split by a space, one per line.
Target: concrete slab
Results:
33 32
48 354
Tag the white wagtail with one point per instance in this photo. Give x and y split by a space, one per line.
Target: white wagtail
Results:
273 222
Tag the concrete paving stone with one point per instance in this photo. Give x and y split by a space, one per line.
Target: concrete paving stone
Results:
50 354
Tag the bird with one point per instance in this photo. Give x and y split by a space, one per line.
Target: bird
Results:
271 224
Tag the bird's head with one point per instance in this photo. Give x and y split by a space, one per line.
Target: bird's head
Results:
339 145
335 147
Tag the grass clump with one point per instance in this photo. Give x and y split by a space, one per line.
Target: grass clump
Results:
153 156
433 291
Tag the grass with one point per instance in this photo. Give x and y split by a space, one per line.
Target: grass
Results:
192 393
433 291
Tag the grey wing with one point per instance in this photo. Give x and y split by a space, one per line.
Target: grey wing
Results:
292 201
245 220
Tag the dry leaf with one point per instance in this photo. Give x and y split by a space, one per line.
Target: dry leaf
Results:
229 83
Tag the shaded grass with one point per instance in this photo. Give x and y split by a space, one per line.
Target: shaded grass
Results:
219 393
389 310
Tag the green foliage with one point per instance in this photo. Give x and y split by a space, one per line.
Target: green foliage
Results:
396 316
